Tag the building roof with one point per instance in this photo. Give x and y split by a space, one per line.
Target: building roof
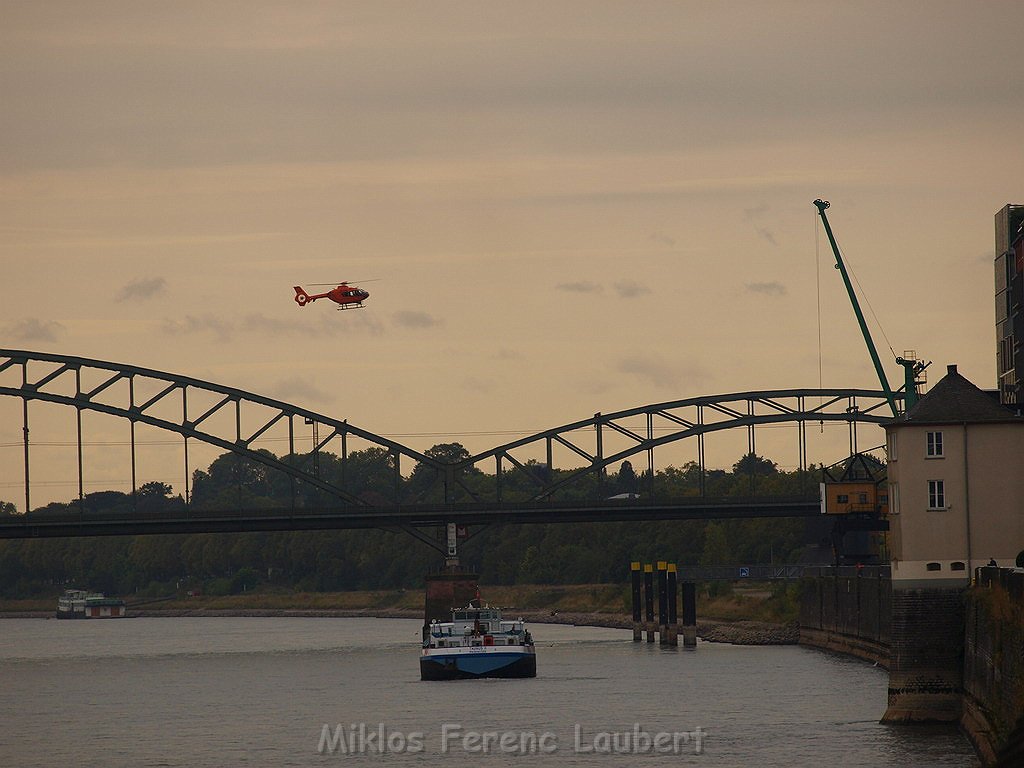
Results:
860 467
956 400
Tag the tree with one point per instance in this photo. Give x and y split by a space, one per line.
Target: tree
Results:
156 497
8 508
427 483
626 480
752 464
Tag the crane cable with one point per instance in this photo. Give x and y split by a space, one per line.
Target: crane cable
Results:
817 279
867 301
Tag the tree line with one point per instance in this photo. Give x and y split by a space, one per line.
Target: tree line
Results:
350 559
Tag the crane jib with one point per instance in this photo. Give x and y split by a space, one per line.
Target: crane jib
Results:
822 205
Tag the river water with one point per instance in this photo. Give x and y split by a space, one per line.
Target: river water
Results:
272 692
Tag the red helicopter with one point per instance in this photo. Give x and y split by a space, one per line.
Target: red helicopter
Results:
345 296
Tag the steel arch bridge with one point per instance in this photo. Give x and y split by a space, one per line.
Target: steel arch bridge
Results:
234 420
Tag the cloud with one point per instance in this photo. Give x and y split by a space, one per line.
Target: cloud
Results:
648 369
766 234
256 324
142 288
259 323
414 319
629 289
583 286
768 289
757 210
34 329
509 354
625 289
478 385
656 371
663 239
328 324
295 389
191 325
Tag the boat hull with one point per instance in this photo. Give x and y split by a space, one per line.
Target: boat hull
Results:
472 666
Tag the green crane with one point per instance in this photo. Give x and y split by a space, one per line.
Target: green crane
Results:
911 368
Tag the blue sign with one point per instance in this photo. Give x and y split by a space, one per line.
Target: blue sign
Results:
744 572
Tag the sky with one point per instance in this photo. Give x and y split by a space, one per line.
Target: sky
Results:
566 207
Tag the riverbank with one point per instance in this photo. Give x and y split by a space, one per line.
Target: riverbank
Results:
743 618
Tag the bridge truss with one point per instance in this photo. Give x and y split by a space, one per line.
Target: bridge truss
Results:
234 420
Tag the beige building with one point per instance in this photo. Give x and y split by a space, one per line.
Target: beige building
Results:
956 485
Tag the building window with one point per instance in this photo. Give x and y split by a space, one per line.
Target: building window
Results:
934 444
894 498
862 498
934 566
842 498
890 445
957 566
936 494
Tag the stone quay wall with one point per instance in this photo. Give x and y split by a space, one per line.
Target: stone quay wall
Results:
952 654
847 610
993 669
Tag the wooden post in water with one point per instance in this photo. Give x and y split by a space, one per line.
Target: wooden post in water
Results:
663 602
673 619
649 601
689 614
634 570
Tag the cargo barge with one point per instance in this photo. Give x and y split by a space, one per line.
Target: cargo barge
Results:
79 604
477 643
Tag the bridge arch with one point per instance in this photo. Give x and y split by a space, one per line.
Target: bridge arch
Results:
665 423
43 386
689 418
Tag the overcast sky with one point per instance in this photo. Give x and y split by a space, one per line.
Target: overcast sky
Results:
569 207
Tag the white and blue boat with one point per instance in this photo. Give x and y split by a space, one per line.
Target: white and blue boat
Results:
477 643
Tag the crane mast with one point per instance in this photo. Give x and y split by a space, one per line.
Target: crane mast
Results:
822 205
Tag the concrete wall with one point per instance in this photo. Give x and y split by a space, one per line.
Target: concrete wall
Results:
847 610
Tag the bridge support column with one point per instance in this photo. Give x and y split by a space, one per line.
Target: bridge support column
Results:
447 590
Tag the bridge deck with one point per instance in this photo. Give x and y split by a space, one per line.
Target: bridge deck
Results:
355 517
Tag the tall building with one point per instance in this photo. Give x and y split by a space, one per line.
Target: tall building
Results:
1009 273
956 481
956 484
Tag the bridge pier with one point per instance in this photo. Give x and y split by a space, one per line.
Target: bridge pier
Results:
452 588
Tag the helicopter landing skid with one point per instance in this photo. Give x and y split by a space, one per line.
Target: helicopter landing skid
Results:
350 306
